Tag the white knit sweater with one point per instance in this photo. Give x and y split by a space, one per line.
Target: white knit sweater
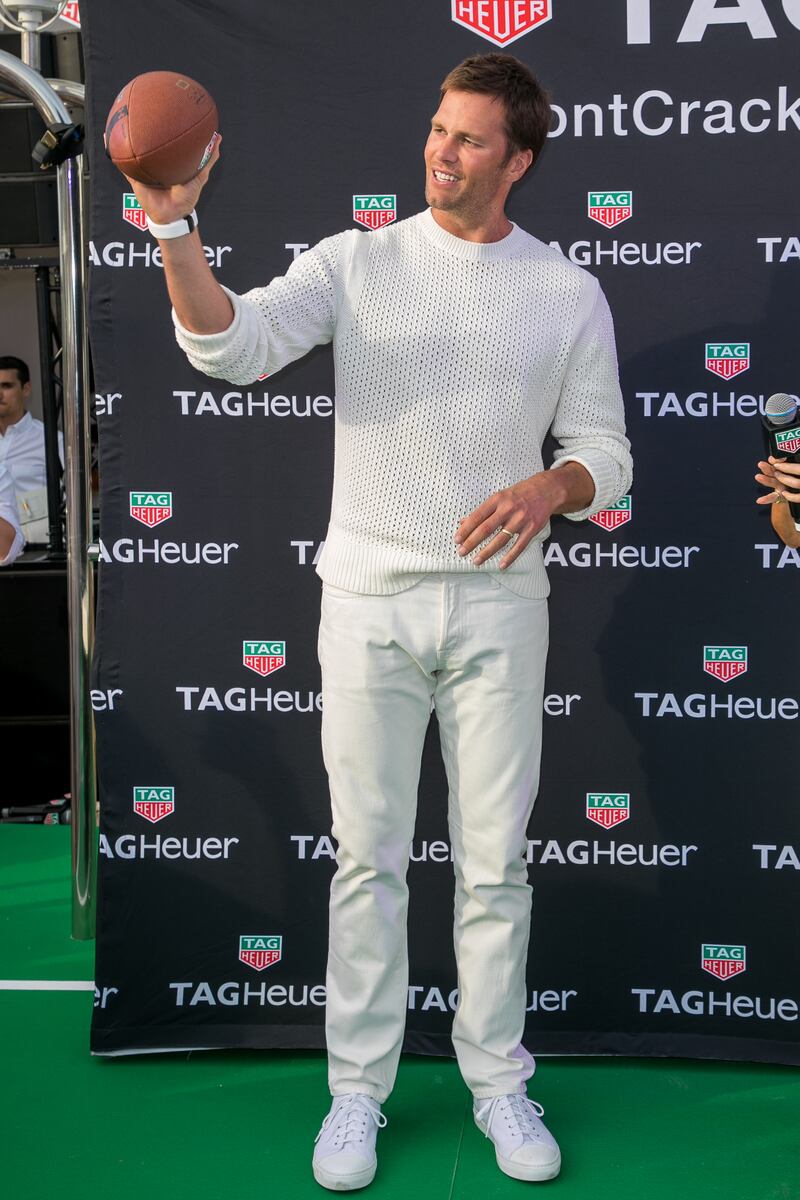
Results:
453 360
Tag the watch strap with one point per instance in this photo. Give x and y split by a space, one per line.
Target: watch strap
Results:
174 229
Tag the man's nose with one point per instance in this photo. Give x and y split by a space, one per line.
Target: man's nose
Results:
448 150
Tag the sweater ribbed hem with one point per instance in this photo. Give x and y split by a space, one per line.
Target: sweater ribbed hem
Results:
375 570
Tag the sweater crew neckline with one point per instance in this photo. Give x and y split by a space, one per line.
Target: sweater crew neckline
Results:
506 247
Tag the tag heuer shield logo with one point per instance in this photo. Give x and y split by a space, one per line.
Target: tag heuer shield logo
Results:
260 951
153 803
264 657
787 441
727 359
615 515
724 961
151 508
71 14
608 808
610 208
501 21
725 662
132 211
374 211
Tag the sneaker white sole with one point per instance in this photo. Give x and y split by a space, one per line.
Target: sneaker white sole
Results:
348 1183
529 1172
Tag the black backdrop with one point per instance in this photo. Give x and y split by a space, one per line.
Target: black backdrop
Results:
664 845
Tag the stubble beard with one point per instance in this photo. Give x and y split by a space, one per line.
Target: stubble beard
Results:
471 205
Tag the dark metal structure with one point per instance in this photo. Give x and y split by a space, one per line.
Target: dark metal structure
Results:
22 82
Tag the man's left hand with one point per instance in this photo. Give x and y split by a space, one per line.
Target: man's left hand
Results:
515 515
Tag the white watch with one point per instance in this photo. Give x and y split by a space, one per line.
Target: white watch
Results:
174 229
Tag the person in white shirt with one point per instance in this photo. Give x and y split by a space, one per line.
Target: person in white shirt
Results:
11 539
459 340
22 447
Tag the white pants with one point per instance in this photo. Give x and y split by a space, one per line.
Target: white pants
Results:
479 651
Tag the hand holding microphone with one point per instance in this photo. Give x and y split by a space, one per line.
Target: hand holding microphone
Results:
781 477
781 470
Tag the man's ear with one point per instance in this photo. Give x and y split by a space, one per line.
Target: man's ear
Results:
520 161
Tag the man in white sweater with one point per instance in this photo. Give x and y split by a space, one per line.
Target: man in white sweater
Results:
459 341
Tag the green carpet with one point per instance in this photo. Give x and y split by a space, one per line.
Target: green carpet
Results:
240 1125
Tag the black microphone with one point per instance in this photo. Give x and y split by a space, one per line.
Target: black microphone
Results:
781 422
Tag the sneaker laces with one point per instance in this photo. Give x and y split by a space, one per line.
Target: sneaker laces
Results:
350 1121
519 1113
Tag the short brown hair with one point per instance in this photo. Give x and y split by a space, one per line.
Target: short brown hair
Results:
9 363
527 104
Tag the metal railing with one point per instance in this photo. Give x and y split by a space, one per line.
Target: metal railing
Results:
48 97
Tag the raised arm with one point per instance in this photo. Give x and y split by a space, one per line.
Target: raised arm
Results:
201 305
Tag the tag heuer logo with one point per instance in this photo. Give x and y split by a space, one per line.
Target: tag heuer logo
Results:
374 211
788 440
725 662
727 358
610 208
151 508
260 951
132 211
264 657
608 808
724 961
154 803
501 21
615 515
71 15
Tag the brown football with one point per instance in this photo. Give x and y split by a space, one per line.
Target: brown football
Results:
161 128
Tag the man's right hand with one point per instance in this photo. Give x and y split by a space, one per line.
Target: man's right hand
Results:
200 303
164 205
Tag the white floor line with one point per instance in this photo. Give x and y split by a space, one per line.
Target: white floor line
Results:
46 985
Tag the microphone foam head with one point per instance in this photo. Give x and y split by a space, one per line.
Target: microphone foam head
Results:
781 408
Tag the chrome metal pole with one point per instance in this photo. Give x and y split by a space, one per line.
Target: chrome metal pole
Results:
68 90
80 580
80 572
30 49
30 84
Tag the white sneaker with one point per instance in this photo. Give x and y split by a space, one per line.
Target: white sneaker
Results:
524 1147
344 1150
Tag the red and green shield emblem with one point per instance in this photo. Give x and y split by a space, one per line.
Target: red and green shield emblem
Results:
501 21
260 951
153 803
610 208
151 508
724 961
608 808
373 212
727 359
132 211
725 662
615 515
787 441
264 657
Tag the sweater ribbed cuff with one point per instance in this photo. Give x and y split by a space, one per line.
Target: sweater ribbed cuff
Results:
605 476
211 343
